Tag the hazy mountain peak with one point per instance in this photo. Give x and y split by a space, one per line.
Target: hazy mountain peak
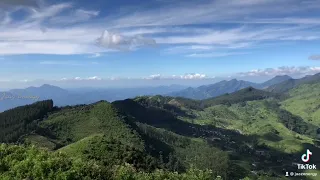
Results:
275 80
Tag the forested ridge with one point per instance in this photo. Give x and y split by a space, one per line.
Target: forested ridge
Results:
249 134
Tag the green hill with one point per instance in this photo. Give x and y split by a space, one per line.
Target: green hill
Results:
304 101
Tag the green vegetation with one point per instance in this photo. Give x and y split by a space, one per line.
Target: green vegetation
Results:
304 101
21 120
17 162
249 134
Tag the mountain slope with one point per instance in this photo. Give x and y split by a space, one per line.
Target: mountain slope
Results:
213 90
223 87
304 101
22 120
243 95
292 83
275 80
20 97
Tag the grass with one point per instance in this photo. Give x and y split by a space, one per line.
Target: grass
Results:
253 118
304 101
80 122
40 141
75 149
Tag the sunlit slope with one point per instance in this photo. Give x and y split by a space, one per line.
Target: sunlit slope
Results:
75 123
258 118
304 101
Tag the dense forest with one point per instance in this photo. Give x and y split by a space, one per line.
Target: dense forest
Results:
249 134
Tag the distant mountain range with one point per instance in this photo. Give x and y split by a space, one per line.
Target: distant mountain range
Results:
62 97
292 83
223 87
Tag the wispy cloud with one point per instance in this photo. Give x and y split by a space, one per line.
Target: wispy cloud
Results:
314 57
62 28
285 70
219 11
93 78
95 55
188 76
78 15
242 36
112 40
212 55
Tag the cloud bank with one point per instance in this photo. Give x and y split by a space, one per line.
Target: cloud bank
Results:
285 70
188 76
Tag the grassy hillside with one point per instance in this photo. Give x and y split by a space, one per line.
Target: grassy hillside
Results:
304 101
75 123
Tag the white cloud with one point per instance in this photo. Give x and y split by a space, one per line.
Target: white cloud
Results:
63 29
295 20
112 40
78 15
314 57
36 34
213 55
93 78
193 76
242 36
188 76
154 77
218 11
49 11
95 55
285 70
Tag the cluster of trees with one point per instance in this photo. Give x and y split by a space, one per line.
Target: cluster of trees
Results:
17 162
21 120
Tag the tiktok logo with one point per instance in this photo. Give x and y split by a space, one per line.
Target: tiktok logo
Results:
306 157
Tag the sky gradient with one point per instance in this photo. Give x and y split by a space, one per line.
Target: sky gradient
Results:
131 43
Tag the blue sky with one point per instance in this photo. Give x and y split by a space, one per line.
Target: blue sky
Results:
156 42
